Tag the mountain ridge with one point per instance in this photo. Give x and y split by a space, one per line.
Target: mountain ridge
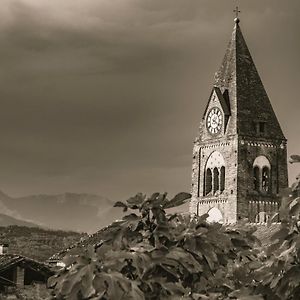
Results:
6 220
81 212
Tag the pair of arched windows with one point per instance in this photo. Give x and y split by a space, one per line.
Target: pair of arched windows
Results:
214 176
262 174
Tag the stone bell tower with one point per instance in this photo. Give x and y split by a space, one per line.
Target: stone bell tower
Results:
239 155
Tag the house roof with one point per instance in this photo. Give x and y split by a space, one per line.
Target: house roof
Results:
9 260
91 240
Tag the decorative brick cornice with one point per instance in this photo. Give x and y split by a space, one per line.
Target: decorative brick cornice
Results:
262 144
216 145
213 200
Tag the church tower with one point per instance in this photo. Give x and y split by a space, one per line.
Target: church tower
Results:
239 155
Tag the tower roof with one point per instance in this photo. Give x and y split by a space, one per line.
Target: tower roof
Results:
249 101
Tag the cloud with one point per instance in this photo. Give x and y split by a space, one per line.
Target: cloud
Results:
99 92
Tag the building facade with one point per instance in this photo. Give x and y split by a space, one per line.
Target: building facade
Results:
239 156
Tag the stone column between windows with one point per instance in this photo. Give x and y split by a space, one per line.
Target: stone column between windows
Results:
212 182
219 170
268 209
250 211
260 179
255 206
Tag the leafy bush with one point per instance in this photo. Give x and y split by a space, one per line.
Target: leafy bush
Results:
280 274
152 255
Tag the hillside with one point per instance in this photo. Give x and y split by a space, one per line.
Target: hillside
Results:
6 220
69 211
37 243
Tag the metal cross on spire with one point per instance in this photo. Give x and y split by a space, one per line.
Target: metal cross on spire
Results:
237 11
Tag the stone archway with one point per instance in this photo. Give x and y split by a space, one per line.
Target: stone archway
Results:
214 215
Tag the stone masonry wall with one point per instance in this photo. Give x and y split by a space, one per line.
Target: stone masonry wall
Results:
248 151
226 202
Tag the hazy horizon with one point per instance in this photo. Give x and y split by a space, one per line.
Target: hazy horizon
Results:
106 97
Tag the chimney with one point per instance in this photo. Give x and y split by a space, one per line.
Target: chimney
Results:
3 249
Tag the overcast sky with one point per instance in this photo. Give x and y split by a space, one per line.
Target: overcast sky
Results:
105 96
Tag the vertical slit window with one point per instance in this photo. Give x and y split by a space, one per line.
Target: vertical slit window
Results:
265 179
204 183
208 181
222 180
256 178
262 127
216 179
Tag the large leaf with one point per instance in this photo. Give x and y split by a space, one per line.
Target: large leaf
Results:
178 200
294 159
245 294
159 215
280 234
136 201
295 207
121 204
184 258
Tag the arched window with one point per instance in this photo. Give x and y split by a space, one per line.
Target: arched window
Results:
216 179
265 179
214 175
208 181
222 179
256 178
214 215
261 174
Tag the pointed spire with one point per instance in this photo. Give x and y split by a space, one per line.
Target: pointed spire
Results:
247 95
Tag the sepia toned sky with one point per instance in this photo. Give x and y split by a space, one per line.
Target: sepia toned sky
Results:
105 96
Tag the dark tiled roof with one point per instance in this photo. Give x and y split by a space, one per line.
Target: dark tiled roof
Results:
9 260
222 100
81 245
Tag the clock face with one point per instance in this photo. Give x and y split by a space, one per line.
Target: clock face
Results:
214 120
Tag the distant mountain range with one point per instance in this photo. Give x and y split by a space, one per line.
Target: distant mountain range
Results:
69 211
6 220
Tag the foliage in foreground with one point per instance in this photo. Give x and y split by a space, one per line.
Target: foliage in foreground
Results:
280 273
153 255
